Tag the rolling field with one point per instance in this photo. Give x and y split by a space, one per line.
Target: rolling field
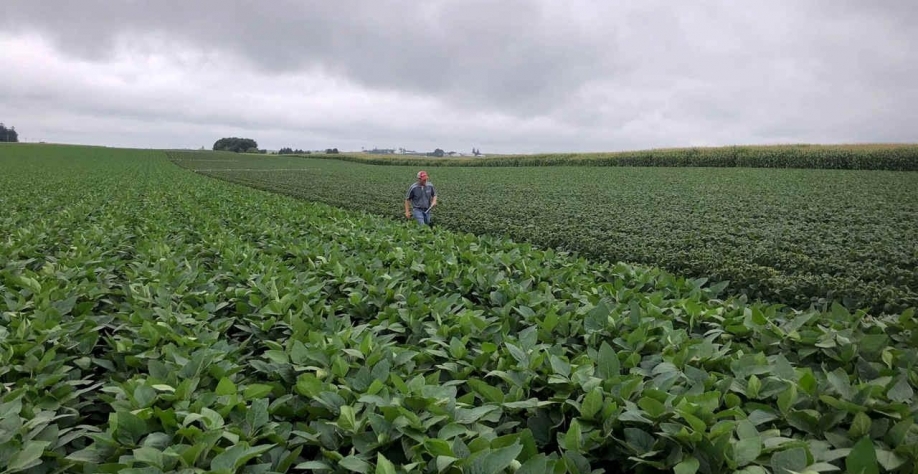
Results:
156 320
794 236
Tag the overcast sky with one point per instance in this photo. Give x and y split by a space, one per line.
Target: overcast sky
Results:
499 75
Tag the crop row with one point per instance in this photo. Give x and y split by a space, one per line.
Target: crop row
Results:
152 320
853 157
799 237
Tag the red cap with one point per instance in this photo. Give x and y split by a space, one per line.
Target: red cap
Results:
422 174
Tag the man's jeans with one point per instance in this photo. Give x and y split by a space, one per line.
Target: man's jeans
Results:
421 216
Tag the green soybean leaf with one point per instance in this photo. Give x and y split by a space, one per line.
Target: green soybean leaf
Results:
596 318
787 398
236 456
151 456
438 447
348 418
354 464
592 404
444 462
254 391
471 415
641 441
314 466
889 460
789 461
860 426
745 429
518 354
537 464
839 381
687 466
28 457
144 395
560 366
608 365
495 461
383 465
487 392
753 387
226 387
130 428
901 392
572 438
863 458
747 450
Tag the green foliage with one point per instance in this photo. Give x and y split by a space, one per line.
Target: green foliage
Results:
893 157
155 320
798 237
291 151
8 134
237 145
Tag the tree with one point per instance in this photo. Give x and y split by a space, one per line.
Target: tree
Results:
438 153
8 134
331 151
235 144
290 151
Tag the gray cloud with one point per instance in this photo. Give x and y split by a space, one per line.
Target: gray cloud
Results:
511 76
478 52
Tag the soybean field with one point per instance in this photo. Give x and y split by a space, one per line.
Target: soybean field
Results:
157 320
795 236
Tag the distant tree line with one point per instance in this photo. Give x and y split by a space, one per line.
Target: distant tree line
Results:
8 134
291 151
247 145
237 145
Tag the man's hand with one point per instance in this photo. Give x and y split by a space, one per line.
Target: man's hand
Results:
407 215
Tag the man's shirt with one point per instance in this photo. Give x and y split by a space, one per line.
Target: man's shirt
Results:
421 196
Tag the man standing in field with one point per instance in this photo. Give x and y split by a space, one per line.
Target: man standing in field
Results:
421 198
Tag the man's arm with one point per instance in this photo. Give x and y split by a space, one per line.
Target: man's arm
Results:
408 201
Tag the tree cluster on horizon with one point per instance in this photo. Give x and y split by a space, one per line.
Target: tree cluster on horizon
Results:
236 144
8 134
291 151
